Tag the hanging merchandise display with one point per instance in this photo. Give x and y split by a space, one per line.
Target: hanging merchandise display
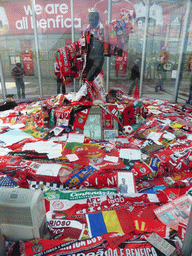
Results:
27 57
121 65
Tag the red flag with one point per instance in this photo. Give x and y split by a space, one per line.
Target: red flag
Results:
145 225
81 118
136 93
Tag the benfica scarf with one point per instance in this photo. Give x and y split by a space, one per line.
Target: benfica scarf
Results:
62 115
69 228
90 90
71 49
77 178
108 120
81 118
62 58
114 112
42 247
67 61
99 87
142 248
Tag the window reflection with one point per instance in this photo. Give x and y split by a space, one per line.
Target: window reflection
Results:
165 29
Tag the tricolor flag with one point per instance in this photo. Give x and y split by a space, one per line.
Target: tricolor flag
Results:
109 221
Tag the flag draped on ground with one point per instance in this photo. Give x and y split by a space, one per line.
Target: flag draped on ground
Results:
109 221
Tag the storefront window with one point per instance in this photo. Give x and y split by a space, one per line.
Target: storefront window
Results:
36 53
185 82
164 39
81 23
131 43
17 45
54 32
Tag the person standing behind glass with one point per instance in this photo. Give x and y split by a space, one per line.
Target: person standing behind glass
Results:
161 77
18 72
189 101
135 76
161 72
60 82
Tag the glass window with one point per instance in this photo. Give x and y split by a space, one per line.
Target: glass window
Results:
17 45
164 39
126 34
128 27
185 81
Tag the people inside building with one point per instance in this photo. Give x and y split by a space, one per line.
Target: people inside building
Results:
161 72
18 72
160 77
189 101
60 82
135 76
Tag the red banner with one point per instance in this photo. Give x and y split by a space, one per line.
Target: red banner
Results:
27 57
121 65
54 17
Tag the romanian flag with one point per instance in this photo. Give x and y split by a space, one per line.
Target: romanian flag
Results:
109 221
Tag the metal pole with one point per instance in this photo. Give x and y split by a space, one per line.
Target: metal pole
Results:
2 79
108 58
72 22
36 45
72 31
183 42
144 46
187 243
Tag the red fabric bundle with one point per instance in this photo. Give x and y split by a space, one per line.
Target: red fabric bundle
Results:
62 58
58 247
143 225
